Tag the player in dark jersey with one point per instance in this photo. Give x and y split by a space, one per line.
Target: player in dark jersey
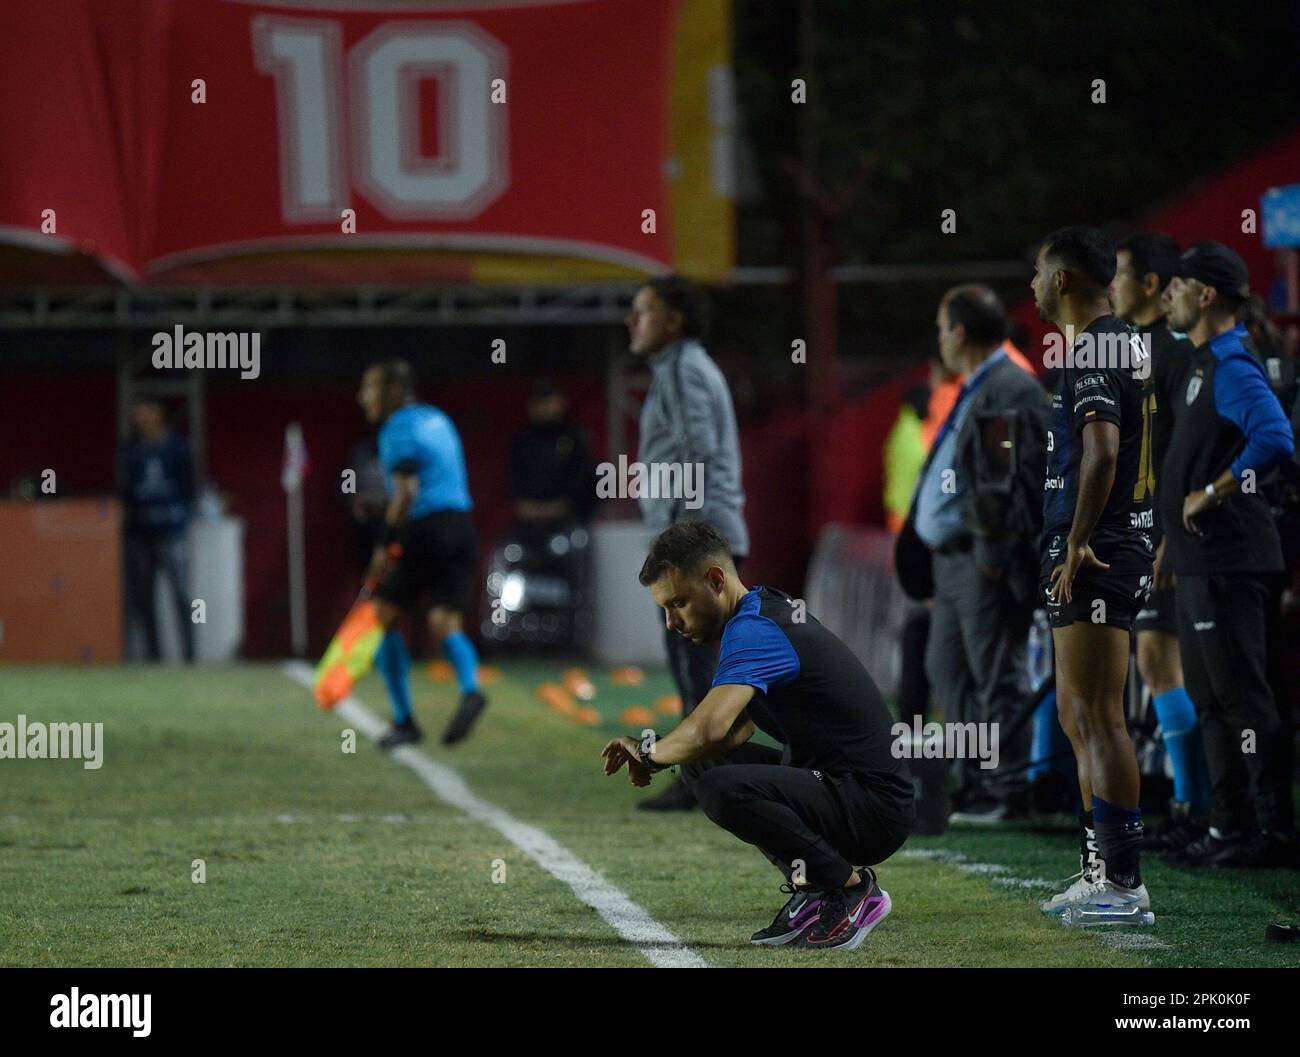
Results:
839 801
1144 265
1097 555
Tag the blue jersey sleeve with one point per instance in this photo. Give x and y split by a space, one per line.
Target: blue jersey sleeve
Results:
757 653
1242 396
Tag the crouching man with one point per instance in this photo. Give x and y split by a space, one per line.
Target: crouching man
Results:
838 802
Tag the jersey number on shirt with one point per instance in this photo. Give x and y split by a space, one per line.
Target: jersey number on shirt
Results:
1145 484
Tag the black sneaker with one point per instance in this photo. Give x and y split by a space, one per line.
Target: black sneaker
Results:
1178 831
401 734
471 707
847 915
1266 851
1206 850
800 911
677 797
1284 930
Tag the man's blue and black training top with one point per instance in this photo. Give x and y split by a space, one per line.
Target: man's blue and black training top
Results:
1228 418
814 696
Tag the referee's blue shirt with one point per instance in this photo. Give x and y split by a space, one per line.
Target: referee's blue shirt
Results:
421 440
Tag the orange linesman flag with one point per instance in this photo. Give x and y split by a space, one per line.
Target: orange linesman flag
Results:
351 653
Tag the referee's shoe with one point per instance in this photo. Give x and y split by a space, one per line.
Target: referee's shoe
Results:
471 707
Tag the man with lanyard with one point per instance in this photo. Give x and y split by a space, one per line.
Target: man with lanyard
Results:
1223 547
983 580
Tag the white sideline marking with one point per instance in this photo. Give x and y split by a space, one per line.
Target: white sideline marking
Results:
629 920
1126 940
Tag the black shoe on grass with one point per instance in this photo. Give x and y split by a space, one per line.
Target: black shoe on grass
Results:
1178 831
401 734
847 915
471 707
1207 850
800 911
1265 851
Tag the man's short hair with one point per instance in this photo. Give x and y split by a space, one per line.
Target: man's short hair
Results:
1087 252
1153 252
396 373
980 311
682 295
686 546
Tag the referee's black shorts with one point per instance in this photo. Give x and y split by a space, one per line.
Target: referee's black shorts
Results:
439 561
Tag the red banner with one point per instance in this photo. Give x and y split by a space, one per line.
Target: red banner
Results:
159 135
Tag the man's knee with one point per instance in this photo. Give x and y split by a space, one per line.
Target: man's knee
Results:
715 792
444 621
1159 662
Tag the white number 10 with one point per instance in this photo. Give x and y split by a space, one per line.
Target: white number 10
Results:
383 73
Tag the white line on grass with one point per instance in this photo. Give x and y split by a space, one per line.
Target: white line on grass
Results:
629 920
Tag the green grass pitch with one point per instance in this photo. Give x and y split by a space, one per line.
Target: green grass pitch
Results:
319 857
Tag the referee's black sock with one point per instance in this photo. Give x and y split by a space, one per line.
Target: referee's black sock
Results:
1119 841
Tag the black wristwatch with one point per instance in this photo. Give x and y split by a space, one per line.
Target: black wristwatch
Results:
647 761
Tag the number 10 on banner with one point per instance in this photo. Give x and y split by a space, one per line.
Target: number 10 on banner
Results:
379 106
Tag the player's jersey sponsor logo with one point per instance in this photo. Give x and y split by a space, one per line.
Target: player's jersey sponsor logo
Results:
1093 398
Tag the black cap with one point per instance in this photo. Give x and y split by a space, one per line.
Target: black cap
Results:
1216 265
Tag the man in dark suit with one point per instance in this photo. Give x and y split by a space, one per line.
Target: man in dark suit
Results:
977 511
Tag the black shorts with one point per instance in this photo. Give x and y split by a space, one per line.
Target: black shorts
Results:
1110 597
1159 614
439 559
1098 598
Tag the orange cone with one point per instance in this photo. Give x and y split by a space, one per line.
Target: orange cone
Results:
630 675
637 716
577 683
669 705
557 698
587 716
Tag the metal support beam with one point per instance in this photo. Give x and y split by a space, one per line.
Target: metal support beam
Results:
347 306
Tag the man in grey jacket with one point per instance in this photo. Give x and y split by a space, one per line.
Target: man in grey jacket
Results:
977 509
689 438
